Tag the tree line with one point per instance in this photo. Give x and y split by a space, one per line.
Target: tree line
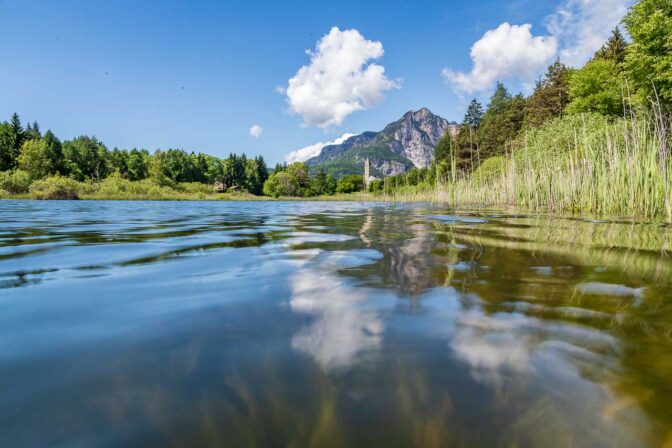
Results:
26 152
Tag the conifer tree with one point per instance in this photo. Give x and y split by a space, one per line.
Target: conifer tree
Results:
614 49
18 133
550 96
474 114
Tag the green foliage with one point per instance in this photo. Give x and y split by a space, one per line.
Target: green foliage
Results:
466 145
118 162
261 175
501 124
648 60
172 166
234 171
86 158
614 49
18 133
597 87
54 152
300 172
323 184
11 139
444 148
350 184
15 182
376 186
138 164
474 114
550 96
332 184
55 187
491 168
414 179
281 184
35 160
7 155
252 180
492 134
344 186
195 187
32 131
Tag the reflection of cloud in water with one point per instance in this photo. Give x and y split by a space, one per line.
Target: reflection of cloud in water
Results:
343 328
553 376
503 344
491 347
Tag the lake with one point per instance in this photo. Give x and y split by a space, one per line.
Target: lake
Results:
330 324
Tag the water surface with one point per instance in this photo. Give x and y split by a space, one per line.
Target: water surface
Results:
330 324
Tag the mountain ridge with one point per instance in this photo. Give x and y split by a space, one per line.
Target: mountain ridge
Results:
403 144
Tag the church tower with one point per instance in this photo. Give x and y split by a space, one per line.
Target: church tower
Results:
367 173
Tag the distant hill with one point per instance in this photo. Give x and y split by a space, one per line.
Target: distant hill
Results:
406 143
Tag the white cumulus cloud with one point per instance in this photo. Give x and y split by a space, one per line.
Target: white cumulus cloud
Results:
307 152
256 131
340 79
582 26
508 50
575 31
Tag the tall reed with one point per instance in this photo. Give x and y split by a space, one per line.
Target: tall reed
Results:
581 163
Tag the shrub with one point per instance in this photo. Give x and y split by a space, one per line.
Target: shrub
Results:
376 185
281 184
55 187
14 182
350 183
344 186
490 168
34 159
195 187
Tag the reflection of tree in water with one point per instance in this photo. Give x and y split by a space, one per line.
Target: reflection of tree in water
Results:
530 275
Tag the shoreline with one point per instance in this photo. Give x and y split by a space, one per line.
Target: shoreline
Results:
431 198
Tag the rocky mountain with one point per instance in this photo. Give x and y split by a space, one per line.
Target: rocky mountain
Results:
408 142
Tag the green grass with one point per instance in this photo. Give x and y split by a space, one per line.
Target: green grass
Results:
115 188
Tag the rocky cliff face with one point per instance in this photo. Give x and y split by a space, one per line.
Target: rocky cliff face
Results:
406 143
415 136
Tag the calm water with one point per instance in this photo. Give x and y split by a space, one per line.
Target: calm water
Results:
329 324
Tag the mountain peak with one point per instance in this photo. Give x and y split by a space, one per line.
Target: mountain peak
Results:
401 145
420 114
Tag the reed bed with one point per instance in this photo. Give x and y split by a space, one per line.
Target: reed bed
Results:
583 163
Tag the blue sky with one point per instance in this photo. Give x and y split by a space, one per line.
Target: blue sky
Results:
198 75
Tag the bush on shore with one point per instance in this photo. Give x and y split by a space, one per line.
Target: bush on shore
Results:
14 182
56 188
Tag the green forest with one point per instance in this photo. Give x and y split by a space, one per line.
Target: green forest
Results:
592 139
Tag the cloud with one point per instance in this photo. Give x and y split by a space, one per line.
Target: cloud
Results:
340 79
508 50
307 152
256 131
582 26
576 30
